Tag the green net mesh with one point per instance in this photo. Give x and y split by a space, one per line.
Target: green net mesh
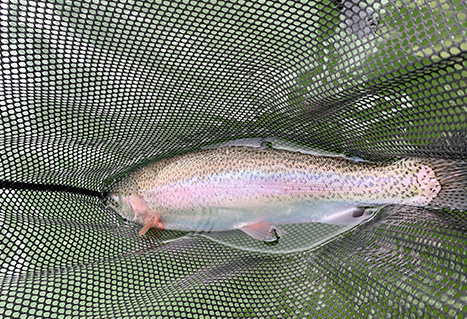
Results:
91 90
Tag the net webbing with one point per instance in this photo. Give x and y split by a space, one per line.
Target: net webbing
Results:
92 90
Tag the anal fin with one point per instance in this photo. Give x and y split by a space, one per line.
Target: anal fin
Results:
347 216
263 231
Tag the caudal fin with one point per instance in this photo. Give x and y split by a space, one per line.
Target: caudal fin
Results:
452 176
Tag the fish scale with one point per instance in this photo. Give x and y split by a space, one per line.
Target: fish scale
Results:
240 187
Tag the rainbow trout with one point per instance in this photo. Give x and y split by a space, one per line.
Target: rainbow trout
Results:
256 190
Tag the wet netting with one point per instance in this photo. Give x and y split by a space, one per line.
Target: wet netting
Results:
93 90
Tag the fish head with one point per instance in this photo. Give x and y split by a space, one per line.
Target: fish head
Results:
121 205
129 206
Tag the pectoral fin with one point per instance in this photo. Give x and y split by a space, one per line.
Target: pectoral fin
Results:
263 231
148 225
149 219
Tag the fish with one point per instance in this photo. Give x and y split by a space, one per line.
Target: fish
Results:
256 190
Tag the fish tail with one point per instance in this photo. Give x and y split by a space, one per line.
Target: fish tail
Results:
452 176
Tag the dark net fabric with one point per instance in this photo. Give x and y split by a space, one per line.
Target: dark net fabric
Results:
91 90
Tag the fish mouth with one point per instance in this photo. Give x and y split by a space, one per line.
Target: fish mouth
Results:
114 201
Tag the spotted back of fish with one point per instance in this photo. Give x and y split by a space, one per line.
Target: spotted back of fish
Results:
242 176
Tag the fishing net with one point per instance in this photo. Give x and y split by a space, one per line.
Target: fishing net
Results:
92 90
